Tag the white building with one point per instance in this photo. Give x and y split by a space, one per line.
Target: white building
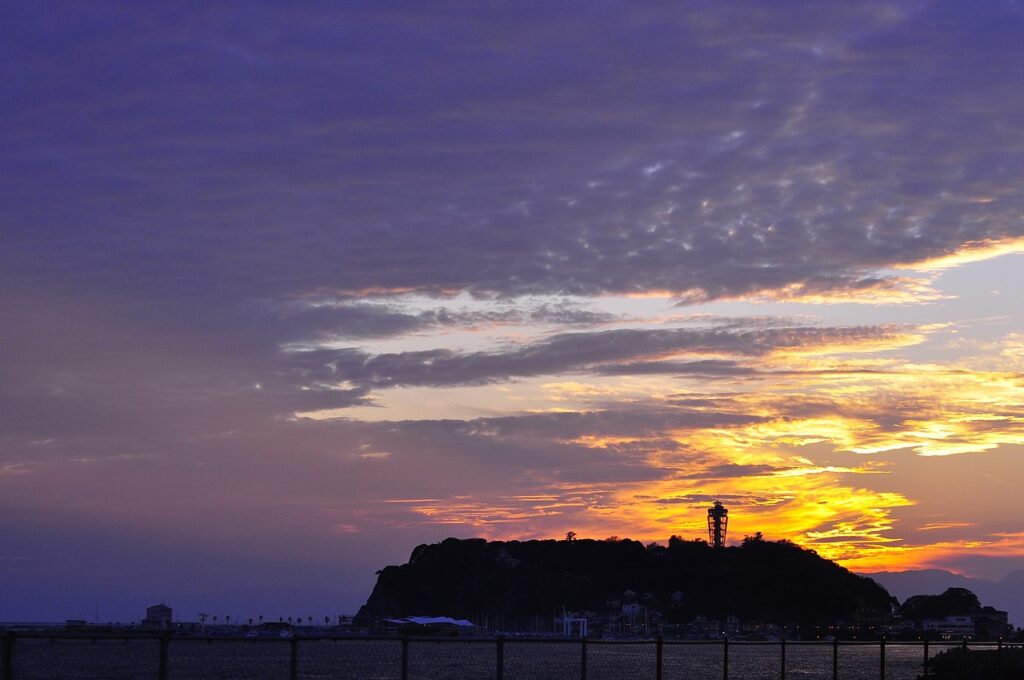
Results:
950 627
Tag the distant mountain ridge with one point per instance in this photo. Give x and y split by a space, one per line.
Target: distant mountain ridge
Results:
759 580
1006 594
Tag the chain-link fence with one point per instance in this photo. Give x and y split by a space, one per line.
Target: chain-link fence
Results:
71 656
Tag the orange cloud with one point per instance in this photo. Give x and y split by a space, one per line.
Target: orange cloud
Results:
972 251
760 457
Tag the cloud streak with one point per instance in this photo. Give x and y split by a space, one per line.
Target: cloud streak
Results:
583 352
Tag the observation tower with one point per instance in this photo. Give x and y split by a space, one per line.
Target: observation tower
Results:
718 522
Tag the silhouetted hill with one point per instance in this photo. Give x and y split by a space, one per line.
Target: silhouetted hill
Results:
988 622
952 602
759 580
1007 594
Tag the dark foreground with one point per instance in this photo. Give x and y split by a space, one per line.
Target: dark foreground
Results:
40 656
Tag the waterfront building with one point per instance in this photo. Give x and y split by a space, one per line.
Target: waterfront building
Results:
157 617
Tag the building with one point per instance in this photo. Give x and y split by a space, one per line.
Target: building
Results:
950 627
991 623
425 625
158 617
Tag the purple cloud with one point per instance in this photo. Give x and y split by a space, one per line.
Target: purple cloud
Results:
193 155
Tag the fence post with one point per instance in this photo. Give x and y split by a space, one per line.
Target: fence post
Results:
500 660
783 648
881 658
658 659
8 663
293 663
725 659
835 659
583 657
405 658
165 639
963 658
925 659
999 657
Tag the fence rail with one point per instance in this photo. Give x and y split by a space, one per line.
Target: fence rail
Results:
92 656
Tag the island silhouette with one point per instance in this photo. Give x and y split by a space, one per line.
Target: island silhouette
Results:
757 580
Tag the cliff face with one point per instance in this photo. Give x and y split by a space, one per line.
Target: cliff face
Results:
759 580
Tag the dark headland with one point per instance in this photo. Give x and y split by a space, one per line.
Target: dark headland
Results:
758 580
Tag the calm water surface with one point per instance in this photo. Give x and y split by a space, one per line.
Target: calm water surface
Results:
45 659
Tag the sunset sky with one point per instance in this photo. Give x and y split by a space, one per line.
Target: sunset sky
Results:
286 291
